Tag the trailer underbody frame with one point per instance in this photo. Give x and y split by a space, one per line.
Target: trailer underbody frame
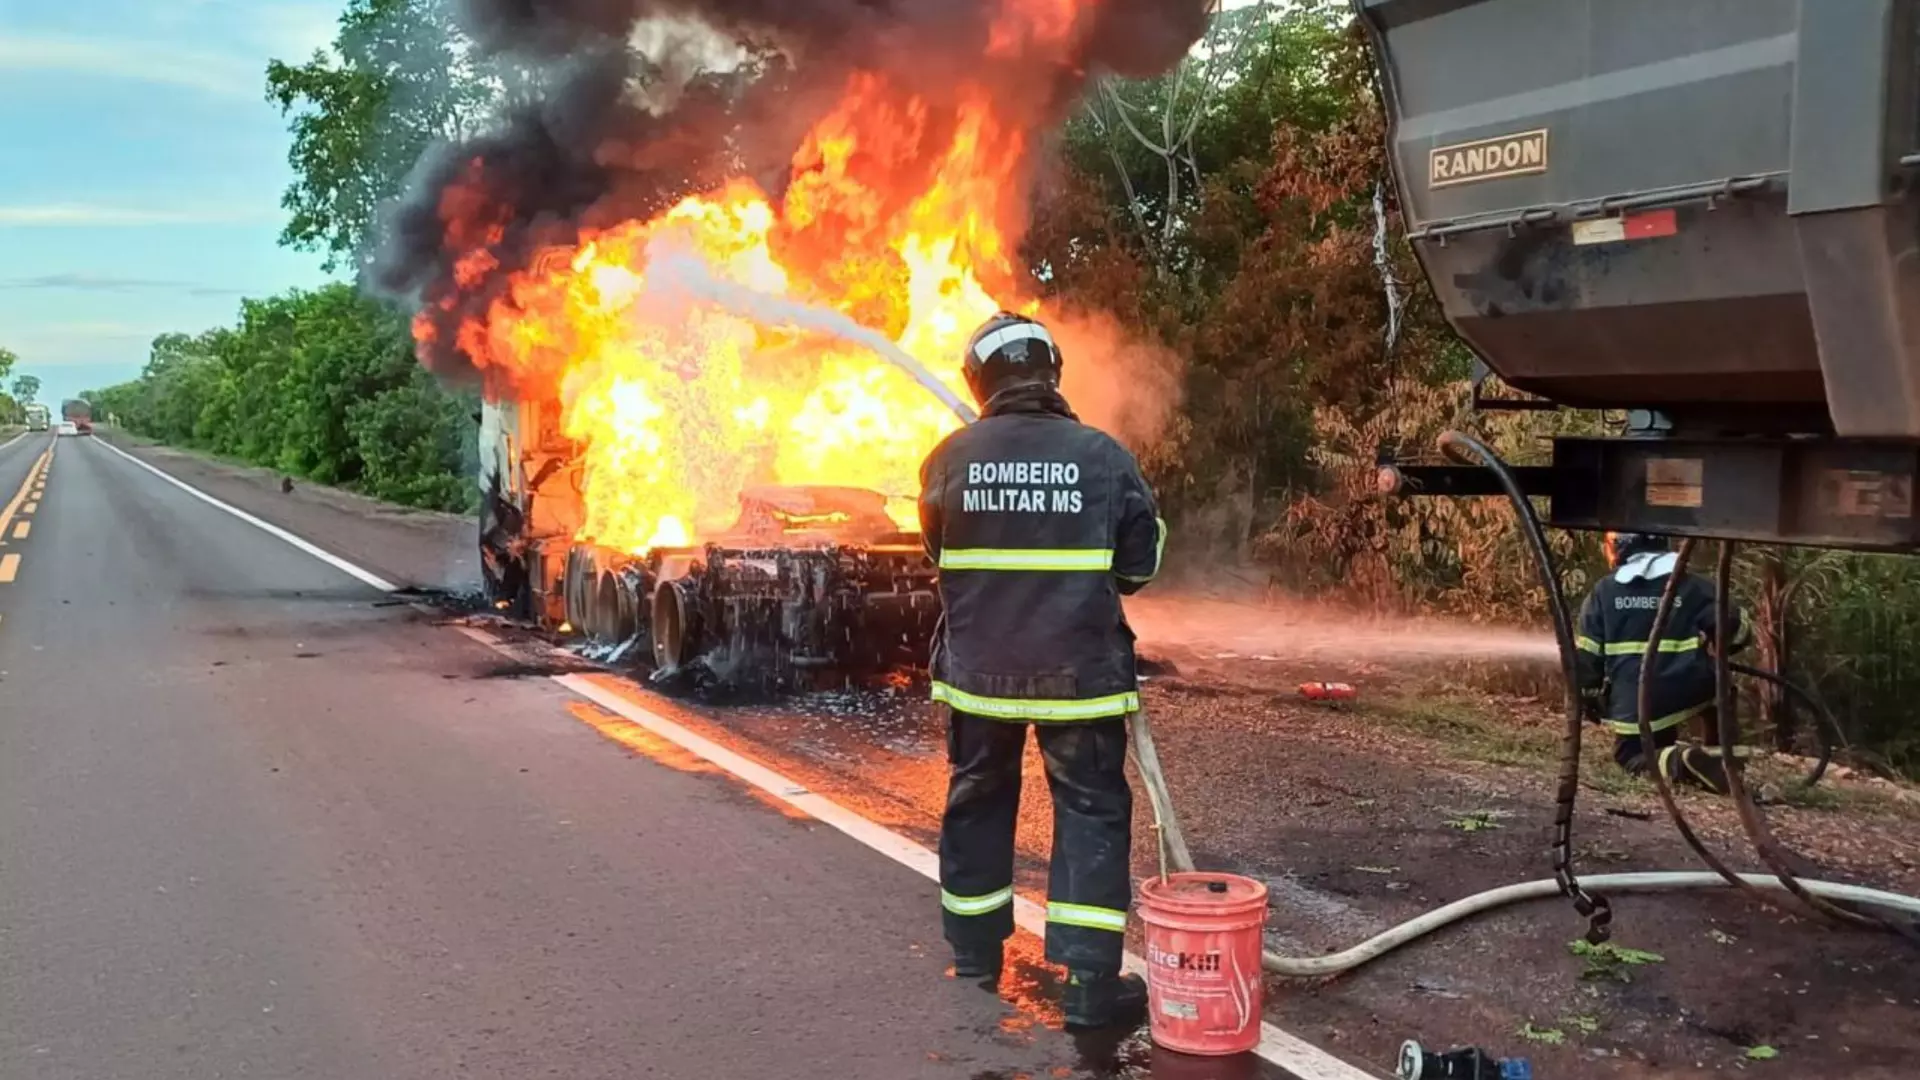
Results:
1816 492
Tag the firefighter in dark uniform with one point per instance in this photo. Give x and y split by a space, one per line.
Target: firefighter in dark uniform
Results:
1614 627
1039 524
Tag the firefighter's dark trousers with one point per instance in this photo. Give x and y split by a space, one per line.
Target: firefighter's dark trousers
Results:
1089 887
1696 763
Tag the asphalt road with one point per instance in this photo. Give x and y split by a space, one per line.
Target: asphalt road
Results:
257 819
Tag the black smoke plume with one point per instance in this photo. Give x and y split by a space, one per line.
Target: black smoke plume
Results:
593 147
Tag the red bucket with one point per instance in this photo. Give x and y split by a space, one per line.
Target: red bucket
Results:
1203 938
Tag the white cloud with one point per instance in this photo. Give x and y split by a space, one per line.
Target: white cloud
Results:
80 215
111 283
71 344
141 61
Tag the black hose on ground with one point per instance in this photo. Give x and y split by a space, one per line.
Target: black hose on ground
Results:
1826 729
1595 909
1764 843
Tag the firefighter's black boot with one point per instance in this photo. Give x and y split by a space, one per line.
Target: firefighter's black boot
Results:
1700 766
979 962
1104 1001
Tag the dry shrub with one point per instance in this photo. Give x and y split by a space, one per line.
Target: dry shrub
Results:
1431 555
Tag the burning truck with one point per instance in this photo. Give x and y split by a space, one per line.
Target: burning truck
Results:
679 273
805 579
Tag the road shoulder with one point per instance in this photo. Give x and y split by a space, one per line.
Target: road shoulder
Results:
419 549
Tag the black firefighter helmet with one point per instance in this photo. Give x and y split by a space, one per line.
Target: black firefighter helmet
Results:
1007 351
1622 546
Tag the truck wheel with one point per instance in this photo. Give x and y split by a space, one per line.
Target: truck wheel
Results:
674 624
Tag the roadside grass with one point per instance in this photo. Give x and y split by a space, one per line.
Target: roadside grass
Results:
126 439
1850 798
1466 728
122 435
1470 729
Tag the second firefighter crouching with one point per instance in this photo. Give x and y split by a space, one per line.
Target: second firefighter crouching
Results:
1614 627
1038 524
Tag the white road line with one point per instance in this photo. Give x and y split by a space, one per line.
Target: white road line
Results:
15 439
1277 1046
357 572
1288 1051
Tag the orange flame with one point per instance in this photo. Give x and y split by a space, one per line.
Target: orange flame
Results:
893 212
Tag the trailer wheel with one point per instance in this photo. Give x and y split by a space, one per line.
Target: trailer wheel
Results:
675 624
606 622
634 599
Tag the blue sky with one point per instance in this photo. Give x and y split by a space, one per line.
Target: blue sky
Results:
142 177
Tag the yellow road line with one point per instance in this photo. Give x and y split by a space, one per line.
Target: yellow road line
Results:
21 496
30 508
10 564
21 530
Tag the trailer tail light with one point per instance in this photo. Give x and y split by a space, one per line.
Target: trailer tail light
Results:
1614 230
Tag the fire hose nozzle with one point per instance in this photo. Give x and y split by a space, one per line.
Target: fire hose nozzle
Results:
1465 1063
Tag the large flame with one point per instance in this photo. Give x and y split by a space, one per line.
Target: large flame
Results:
894 211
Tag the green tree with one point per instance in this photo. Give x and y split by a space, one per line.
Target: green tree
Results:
119 403
8 358
26 388
1247 247
399 78
320 384
413 444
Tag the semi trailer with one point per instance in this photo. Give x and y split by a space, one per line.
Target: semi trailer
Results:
79 413
1697 215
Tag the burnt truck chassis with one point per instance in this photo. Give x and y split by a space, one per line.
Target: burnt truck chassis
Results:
774 617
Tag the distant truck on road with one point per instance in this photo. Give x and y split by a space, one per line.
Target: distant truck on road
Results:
79 413
38 417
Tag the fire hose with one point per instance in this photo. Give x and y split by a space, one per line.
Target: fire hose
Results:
1823 896
1825 727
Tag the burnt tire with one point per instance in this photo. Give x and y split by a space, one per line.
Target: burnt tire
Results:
610 616
674 624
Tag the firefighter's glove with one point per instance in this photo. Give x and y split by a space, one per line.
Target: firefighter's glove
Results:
1590 706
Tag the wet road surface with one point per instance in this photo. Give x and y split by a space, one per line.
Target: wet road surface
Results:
258 818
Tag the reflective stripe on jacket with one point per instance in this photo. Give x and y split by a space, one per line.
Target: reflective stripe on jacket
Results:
1038 524
1615 625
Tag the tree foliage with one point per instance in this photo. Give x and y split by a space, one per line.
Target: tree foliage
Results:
1260 270
398 78
26 388
317 384
12 411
